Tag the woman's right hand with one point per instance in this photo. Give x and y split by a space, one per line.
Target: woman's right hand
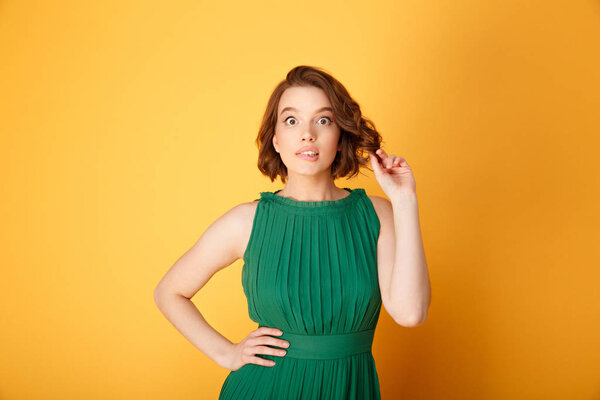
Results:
245 351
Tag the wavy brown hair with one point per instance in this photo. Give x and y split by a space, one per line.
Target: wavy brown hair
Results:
358 135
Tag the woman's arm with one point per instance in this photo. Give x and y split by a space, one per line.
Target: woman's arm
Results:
403 272
220 245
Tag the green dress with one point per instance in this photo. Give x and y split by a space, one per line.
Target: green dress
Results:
310 270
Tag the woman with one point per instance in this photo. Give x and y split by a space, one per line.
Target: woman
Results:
319 261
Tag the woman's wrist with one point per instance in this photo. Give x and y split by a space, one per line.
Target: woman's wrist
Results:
223 356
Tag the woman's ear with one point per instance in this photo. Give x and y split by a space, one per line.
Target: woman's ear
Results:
275 144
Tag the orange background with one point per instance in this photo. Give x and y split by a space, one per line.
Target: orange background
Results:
128 127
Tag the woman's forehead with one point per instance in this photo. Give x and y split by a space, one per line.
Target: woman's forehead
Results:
307 101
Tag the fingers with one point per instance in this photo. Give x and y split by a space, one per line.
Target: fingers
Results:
269 350
257 345
386 160
261 361
381 153
275 342
397 161
375 163
390 161
263 334
269 340
250 354
265 330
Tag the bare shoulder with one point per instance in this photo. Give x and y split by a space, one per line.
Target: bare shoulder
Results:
247 212
240 219
382 206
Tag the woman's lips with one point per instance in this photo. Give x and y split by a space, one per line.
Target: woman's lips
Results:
307 157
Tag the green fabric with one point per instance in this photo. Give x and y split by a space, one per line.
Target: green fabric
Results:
310 270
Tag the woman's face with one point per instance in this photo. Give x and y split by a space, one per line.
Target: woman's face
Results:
305 118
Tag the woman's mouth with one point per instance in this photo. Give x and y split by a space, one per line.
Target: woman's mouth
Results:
308 156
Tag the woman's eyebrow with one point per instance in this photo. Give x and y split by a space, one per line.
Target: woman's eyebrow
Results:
318 111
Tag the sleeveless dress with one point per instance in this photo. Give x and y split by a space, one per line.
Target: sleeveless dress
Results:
310 270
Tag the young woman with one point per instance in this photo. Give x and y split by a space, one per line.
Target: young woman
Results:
319 260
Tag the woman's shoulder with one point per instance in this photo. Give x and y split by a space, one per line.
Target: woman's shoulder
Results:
382 206
245 217
235 224
246 210
243 213
379 202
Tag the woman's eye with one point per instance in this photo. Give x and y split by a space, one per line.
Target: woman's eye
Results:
327 118
296 123
285 120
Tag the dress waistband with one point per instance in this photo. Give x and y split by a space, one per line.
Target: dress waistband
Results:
326 346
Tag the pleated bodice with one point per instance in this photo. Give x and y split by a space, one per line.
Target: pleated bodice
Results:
310 269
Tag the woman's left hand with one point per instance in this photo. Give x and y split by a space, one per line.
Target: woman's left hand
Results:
393 174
